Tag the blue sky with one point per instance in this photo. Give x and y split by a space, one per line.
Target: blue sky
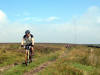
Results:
45 8
60 21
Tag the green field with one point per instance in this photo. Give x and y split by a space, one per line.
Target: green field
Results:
77 60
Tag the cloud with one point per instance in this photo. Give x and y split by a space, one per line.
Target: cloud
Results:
13 32
36 19
84 29
98 20
81 29
91 17
53 18
26 14
3 17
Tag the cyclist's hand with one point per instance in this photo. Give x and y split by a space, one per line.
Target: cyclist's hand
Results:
22 45
32 45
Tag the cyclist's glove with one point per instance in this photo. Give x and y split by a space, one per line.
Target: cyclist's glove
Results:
32 45
22 45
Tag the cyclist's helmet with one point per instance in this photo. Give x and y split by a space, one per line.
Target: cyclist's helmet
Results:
27 32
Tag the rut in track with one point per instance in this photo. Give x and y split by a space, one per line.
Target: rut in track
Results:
39 68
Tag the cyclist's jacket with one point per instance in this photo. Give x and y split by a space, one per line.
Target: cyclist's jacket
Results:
28 40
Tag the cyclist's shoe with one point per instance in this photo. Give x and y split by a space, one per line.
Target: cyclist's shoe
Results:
26 63
30 61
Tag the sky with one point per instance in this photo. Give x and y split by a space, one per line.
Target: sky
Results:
51 21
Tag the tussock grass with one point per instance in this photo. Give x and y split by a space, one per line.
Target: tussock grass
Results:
79 60
20 69
13 53
10 57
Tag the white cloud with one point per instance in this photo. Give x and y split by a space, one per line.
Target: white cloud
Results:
84 29
53 18
14 32
3 17
98 20
36 19
26 14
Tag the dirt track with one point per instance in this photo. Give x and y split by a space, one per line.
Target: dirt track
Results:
43 66
39 68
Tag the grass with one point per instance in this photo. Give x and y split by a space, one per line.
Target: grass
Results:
11 55
66 68
20 69
77 61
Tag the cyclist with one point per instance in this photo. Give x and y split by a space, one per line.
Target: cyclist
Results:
28 39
